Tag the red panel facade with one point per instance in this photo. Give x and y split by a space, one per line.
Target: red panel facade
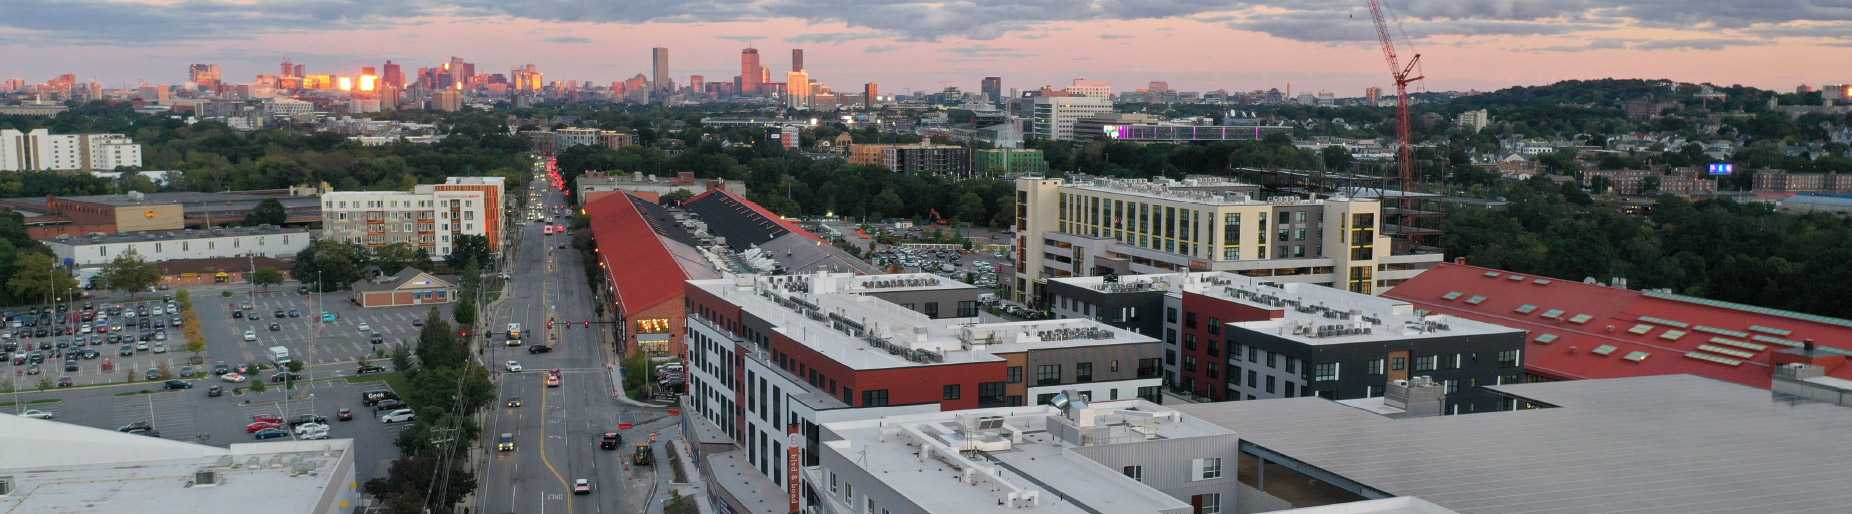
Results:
1203 343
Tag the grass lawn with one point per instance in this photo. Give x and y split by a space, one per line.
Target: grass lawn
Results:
32 402
396 381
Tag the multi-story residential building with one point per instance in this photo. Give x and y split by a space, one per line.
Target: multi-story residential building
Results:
1111 226
492 189
929 159
1681 182
427 216
40 150
1781 181
1055 116
1006 161
1123 456
1095 88
1233 337
1474 120
1094 127
771 352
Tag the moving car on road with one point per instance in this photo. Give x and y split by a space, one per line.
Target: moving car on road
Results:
505 443
39 414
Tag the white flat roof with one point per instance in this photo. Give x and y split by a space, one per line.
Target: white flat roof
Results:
1040 462
60 467
824 313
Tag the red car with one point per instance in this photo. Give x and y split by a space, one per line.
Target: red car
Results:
259 426
267 418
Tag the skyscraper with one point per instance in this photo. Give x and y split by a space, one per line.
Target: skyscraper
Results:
868 94
393 76
697 83
289 68
797 59
206 76
751 74
301 70
993 88
797 90
659 66
1371 95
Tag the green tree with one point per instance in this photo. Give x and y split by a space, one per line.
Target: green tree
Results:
680 195
437 344
258 386
268 212
294 366
467 248
329 265
401 357
129 272
409 483
34 278
1337 158
971 209
395 257
267 277
464 311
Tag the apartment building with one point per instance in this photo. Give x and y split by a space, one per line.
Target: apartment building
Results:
1096 226
1054 117
426 216
771 352
40 150
1233 337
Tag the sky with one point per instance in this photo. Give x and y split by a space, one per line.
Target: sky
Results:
919 46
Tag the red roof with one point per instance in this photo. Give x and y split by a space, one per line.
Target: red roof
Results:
767 213
640 262
1719 340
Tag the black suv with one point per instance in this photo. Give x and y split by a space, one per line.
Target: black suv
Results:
177 384
308 418
539 348
369 369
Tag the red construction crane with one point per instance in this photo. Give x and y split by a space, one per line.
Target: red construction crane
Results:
1405 149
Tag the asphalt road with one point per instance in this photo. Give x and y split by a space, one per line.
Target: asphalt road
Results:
556 430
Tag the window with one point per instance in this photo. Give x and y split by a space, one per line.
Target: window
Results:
1326 371
1270 380
1399 363
1252 380
1149 368
1450 362
1508 358
1292 365
1048 374
1170 336
1170 357
1189 320
1374 367
1208 503
990 394
1170 315
1234 352
875 398
1044 399
1015 374
1211 369
1425 363
1215 350
1273 360
1135 473
1215 326
932 310
1205 469
1189 341
1189 363
952 391
1083 372
1253 354
967 309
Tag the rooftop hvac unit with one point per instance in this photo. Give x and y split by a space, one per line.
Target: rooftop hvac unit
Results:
208 476
6 486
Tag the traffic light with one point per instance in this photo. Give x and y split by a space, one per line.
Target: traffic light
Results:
588 324
549 324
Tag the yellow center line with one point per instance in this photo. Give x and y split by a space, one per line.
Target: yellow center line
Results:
543 446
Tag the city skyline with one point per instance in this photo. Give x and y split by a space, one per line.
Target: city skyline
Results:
1330 47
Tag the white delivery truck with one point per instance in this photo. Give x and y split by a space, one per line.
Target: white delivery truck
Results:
279 355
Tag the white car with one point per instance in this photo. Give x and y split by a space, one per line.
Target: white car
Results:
155 311
250 335
35 413
398 415
313 435
85 328
581 486
364 327
512 367
232 377
310 427
160 347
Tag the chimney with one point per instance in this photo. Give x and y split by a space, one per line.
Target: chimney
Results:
1807 346
1459 260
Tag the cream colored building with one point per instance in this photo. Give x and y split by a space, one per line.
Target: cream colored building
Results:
427 217
1098 226
1055 116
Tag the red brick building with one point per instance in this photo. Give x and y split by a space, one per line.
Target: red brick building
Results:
408 287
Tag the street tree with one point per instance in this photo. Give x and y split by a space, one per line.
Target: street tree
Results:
467 248
268 212
329 265
35 277
295 366
129 272
464 312
394 257
437 344
267 277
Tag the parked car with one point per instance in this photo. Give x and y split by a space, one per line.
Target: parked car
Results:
64 382
371 398
267 418
139 425
389 404
250 335
177 384
308 427
397 416
259 425
232 377
308 419
271 433
364 327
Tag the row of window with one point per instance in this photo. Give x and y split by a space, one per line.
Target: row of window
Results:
187 246
395 204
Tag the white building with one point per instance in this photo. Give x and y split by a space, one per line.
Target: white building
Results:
428 216
1099 88
40 150
109 151
51 466
97 250
1055 116
1475 120
285 107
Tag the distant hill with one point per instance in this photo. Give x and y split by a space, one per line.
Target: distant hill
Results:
1598 92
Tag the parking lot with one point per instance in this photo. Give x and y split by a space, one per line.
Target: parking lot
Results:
190 415
143 355
308 338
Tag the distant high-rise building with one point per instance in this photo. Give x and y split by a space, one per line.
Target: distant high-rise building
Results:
1372 95
1157 87
1082 86
393 77
446 100
1327 98
869 95
697 83
797 90
289 68
797 59
659 68
992 88
751 74
206 76
302 70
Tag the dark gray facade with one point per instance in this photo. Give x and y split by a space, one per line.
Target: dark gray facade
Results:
934 303
1139 311
1289 367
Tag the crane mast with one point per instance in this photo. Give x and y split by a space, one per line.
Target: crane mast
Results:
1405 149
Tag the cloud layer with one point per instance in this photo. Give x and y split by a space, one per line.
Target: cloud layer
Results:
1711 24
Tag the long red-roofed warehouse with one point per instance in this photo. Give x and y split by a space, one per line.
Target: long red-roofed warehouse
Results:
1585 331
645 256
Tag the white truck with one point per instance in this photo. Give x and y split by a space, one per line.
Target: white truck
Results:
279 355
